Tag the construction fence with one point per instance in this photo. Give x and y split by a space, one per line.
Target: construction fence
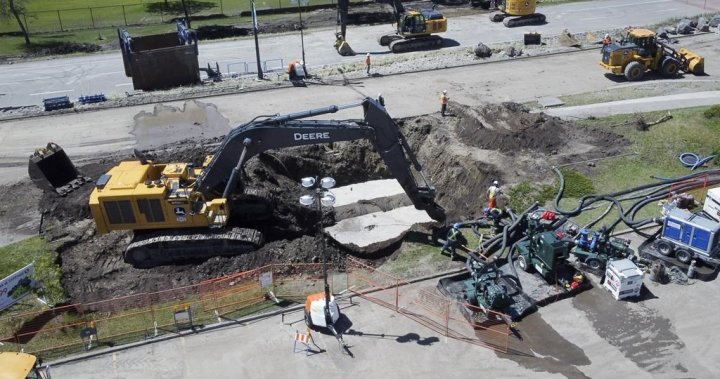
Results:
75 328
424 304
60 20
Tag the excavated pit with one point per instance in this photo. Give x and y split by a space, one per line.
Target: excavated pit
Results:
462 155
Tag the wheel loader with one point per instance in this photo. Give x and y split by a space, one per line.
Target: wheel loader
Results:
640 51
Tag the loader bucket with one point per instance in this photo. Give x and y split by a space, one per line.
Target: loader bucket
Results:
695 63
50 168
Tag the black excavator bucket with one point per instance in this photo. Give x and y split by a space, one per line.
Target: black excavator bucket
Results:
51 170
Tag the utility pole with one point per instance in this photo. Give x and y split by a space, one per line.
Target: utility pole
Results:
257 47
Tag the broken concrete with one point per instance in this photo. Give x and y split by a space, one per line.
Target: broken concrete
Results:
375 231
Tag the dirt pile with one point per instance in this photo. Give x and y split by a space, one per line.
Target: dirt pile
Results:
462 154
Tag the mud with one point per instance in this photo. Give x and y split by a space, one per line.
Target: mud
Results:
462 155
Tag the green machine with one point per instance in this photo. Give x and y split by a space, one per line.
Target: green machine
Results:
487 288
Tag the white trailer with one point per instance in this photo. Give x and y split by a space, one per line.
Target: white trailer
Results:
711 206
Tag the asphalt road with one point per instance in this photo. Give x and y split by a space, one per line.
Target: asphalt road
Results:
27 83
93 133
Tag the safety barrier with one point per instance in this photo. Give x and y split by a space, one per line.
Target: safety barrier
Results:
77 327
63 330
422 303
246 68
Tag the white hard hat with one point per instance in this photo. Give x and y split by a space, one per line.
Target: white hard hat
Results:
302 62
444 91
368 54
495 182
607 35
379 94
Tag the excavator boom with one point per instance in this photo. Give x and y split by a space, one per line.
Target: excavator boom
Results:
178 211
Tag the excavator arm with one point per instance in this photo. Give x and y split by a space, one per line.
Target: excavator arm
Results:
344 5
222 175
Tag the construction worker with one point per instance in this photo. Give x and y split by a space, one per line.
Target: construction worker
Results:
606 40
381 99
291 69
496 214
443 102
367 63
453 239
492 192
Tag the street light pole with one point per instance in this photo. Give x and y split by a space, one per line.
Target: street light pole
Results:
328 317
257 47
321 196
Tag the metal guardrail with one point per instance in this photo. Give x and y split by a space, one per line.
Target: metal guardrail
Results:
250 67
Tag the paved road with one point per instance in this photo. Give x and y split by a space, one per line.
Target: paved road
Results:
27 83
92 133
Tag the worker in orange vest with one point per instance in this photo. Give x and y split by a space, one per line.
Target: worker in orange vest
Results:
606 40
291 69
367 63
443 102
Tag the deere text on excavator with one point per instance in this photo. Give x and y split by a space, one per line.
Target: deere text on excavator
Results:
179 212
414 29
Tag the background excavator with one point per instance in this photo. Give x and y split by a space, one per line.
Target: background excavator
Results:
414 29
512 12
179 212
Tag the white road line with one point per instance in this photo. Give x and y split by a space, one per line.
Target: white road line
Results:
123 84
49 92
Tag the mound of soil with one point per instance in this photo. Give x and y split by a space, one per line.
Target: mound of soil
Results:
462 154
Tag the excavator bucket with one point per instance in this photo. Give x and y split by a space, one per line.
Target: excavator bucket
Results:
51 170
342 47
695 63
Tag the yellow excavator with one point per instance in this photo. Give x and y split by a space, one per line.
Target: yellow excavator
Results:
512 13
178 211
22 366
640 51
414 29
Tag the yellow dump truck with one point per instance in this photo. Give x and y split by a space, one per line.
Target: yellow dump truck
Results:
640 51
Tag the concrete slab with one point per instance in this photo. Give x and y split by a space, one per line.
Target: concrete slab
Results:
550 101
366 191
374 231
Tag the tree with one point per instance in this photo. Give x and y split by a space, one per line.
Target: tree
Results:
9 8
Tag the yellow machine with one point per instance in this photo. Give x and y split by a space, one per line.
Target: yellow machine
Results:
512 12
21 366
640 51
178 211
414 31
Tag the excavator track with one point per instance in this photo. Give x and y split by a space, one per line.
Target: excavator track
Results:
154 248
532 19
414 44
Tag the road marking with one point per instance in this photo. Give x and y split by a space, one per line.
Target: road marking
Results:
49 92
123 84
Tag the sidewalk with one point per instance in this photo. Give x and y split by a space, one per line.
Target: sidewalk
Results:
647 104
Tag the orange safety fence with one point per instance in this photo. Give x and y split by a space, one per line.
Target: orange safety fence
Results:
424 304
57 331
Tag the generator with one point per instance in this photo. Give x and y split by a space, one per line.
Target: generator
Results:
623 279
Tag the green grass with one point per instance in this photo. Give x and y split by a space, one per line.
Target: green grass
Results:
20 254
658 149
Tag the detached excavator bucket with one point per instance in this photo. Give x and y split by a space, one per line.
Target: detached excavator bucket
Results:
342 47
51 170
695 63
